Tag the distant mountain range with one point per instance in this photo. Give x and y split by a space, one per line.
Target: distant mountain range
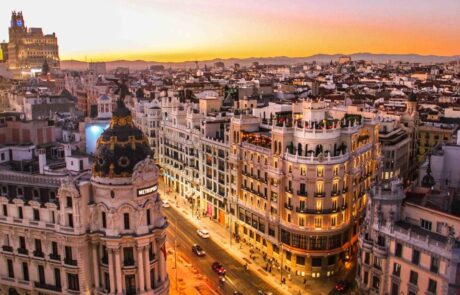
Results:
278 60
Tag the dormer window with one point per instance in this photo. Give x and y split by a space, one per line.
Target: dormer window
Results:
19 191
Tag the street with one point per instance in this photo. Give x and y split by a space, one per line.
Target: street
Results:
237 279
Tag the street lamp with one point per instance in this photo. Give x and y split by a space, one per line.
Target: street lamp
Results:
175 247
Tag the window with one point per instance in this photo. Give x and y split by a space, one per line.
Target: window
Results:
68 252
20 214
36 215
126 220
413 277
54 248
316 261
394 289
398 250
22 243
69 202
41 274
104 220
320 172
432 284
9 262
5 210
425 224
367 258
434 266
366 278
376 282
396 269
377 263
415 256
70 219
333 220
57 277
38 247
318 222
128 256
130 283
25 271
301 221
73 283
149 222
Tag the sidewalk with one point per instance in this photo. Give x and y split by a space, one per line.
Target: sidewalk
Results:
241 252
195 284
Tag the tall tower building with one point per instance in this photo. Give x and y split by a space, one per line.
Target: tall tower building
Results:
29 48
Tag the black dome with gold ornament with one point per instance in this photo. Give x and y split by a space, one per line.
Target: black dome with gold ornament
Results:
121 146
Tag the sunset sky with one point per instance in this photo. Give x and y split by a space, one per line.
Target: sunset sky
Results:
178 30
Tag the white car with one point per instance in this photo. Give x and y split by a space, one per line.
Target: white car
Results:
203 233
166 204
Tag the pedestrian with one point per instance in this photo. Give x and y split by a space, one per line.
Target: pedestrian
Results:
304 281
289 276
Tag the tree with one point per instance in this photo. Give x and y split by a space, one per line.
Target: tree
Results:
45 68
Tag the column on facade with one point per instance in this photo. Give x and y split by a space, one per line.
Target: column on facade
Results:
162 266
111 272
64 279
140 267
118 276
147 268
96 266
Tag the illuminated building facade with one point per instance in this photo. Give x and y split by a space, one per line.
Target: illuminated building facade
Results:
29 48
408 243
299 185
99 231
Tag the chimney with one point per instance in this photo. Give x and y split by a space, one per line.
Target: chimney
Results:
42 160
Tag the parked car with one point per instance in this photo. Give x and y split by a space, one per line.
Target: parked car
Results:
237 293
342 286
166 204
218 268
198 250
203 233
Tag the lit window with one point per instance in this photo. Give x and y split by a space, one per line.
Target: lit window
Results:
318 222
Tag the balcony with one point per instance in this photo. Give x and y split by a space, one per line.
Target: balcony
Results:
47 287
302 193
54 256
23 251
320 194
39 254
335 193
288 190
69 261
7 248
128 263
288 206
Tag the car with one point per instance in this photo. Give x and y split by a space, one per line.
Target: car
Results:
218 268
198 250
260 292
237 293
203 233
166 204
342 286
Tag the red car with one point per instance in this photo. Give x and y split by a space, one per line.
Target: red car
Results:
342 286
218 268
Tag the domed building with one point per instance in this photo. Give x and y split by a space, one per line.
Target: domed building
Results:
98 232
127 229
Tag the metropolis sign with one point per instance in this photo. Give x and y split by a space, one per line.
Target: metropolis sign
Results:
147 190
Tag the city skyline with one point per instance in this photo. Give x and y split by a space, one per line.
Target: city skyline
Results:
174 31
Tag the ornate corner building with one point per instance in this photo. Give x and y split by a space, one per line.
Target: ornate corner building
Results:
99 232
302 183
